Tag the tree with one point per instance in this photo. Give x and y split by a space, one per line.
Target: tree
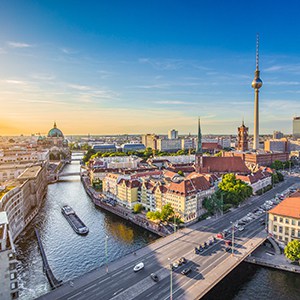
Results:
280 176
277 165
292 250
180 173
166 212
137 208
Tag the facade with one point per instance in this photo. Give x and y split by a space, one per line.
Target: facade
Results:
259 159
284 220
258 180
133 147
172 134
150 141
8 263
187 144
169 145
243 138
296 127
22 198
105 148
281 145
277 135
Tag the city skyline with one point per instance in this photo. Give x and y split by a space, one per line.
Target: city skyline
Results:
145 68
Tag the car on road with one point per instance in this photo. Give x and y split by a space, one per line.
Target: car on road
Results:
175 264
220 235
178 262
138 267
186 271
182 260
241 228
154 277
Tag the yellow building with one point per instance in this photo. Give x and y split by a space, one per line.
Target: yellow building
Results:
128 192
284 219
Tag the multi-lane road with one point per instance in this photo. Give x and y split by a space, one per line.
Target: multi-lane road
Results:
121 282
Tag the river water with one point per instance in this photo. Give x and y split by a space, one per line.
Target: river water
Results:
71 255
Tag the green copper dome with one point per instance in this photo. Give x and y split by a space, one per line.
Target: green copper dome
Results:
55 132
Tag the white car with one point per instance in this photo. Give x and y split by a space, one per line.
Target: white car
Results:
241 228
138 267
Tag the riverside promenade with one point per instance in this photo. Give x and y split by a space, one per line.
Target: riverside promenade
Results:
127 214
266 256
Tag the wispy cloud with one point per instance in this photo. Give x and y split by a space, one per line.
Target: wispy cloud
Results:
43 77
12 81
171 102
79 87
18 45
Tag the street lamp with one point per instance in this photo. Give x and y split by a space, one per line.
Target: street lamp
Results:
106 238
171 291
232 246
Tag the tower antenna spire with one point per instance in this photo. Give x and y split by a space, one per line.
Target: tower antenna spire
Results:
257 51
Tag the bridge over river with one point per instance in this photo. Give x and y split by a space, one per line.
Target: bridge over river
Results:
119 281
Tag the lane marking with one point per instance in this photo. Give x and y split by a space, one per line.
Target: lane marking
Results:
90 287
118 291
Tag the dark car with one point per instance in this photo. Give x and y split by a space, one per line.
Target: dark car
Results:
182 260
186 271
154 277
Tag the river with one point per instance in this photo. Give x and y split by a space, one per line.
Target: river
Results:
71 255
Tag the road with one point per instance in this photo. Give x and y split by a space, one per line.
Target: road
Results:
122 283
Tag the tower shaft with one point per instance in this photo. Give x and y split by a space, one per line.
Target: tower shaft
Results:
256 120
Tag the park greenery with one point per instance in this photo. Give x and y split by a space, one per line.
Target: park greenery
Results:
292 250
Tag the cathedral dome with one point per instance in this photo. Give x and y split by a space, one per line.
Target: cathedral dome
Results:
55 132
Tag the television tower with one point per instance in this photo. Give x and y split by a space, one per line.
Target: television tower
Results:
256 84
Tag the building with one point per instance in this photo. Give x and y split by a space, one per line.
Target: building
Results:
21 199
105 147
187 144
252 159
296 127
172 134
284 219
133 147
282 145
242 144
277 135
256 84
169 145
8 263
150 141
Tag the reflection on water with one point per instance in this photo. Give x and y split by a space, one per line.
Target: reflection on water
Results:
69 254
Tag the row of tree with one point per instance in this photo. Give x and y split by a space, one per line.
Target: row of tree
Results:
279 165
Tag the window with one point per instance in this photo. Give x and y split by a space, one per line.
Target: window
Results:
13 276
280 229
275 218
287 221
280 220
298 223
13 285
293 232
14 295
286 239
298 233
286 231
293 222
275 228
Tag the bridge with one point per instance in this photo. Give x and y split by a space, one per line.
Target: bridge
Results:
46 267
208 268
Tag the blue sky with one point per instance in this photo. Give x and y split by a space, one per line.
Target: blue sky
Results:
108 67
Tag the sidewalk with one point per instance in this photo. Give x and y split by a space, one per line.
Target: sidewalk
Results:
266 256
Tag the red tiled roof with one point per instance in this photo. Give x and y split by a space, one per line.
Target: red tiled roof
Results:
289 207
216 164
210 146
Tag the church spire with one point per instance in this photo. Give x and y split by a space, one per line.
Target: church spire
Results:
199 144
54 124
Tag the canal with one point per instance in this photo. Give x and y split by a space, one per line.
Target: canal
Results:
71 255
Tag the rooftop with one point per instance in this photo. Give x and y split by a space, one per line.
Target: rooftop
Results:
289 207
30 172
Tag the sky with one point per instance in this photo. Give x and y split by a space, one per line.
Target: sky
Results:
131 67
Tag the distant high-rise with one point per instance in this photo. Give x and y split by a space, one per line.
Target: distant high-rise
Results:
172 134
256 84
296 128
242 138
277 135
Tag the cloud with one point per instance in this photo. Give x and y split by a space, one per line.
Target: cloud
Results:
15 81
43 76
170 102
79 87
18 45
